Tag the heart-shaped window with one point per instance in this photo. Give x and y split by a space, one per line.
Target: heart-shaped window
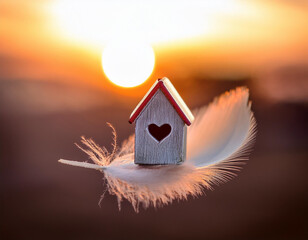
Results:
159 132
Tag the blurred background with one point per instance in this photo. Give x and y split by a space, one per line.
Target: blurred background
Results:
53 90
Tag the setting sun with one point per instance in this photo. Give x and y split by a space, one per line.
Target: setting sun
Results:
128 63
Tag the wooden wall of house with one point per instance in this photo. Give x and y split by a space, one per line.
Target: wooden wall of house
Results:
170 150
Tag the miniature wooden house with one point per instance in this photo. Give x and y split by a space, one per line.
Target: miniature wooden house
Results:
161 120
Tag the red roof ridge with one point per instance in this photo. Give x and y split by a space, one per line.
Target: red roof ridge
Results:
173 97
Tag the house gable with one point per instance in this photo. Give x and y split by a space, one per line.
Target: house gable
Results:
173 97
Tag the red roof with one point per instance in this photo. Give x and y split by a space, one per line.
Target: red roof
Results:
171 94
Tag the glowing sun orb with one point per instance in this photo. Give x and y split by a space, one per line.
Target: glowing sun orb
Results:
128 63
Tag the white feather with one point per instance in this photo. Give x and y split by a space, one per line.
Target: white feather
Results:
220 129
218 141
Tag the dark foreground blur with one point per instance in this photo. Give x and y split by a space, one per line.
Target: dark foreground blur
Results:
42 199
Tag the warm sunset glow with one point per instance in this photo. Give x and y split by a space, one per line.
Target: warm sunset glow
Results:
96 22
128 63
221 38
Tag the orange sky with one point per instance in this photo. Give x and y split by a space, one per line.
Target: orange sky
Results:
238 39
